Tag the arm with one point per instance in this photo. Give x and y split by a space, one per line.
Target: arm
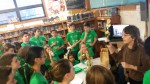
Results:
144 63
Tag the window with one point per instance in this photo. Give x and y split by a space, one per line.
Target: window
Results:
7 17
9 5
23 3
20 10
31 13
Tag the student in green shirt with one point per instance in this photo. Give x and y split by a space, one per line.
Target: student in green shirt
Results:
38 39
25 40
85 53
89 37
57 44
146 79
9 60
72 59
35 58
73 39
62 72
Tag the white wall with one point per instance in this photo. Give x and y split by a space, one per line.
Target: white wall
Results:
132 17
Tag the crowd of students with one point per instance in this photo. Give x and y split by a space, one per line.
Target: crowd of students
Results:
41 62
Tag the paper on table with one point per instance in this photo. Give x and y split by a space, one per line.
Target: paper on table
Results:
76 81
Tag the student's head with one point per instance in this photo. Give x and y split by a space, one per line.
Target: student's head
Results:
147 45
131 34
83 47
71 27
10 60
86 27
70 57
25 37
54 33
62 71
99 75
7 47
23 51
36 32
35 55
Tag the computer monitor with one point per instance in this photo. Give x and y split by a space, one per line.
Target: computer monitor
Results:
117 30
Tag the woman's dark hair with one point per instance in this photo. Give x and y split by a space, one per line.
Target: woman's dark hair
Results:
99 75
86 24
135 34
33 52
6 59
147 45
59 69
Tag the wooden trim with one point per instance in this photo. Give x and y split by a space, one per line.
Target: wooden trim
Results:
44 6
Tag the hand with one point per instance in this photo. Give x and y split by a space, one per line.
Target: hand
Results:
125 65
58 48
91 44
54 44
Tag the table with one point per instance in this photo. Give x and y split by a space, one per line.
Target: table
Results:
80 77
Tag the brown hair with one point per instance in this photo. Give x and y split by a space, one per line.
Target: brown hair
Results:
4 74
59 70
22 52
7 46
99 75
6 59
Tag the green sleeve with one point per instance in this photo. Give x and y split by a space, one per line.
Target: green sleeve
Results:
67 37
18 78
49 42
94 33
91 53
82 36
146 79
62 41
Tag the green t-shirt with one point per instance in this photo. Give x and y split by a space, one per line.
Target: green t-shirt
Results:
31 43
91 53
146 79
59 42
38 78
22 61
90 38
38 41
1 52
75 62
19 78
73 37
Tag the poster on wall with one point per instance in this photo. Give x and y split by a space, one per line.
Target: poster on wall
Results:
75 4
55 8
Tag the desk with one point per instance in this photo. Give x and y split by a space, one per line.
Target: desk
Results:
80 77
